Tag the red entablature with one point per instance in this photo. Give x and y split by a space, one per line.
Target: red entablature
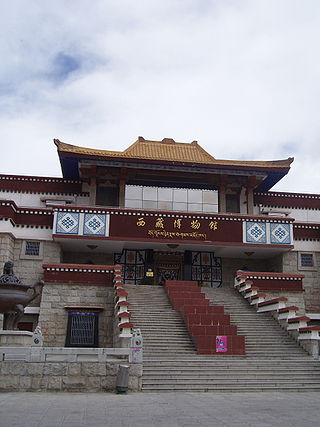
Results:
35 184
26 216
306 231
266 281
79 274
288 200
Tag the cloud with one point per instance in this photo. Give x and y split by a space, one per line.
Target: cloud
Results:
63 66
239 77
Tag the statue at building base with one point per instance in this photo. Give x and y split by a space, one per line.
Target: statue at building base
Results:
14 296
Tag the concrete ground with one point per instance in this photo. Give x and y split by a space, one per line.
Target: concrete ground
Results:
159 409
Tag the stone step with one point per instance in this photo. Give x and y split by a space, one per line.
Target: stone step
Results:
184 380
165 370
273 360
231 387
232 362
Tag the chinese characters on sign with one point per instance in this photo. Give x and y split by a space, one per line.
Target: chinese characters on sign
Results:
141 222
181 228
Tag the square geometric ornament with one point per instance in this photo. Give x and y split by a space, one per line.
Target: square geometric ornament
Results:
256 232
94 225
67 223
280 233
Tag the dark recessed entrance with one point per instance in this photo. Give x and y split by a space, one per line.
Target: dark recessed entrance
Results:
168 266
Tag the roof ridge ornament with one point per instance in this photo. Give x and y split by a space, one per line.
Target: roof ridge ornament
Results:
168 141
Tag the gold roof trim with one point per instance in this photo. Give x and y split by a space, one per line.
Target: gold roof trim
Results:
168 150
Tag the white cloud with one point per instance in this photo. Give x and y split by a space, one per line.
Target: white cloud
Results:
239 77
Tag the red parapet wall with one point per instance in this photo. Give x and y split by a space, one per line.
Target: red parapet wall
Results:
273 282
308 231
36 184
26 216
287 200
79 274
206 324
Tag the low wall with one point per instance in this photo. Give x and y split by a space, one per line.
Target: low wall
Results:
63 376
65 369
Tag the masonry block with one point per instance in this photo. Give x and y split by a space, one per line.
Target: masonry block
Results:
188 309
197 330
193 319
177 303
212 330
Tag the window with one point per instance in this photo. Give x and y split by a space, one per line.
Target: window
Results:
31 249
232 203
168 199
82 329
306 261
107 196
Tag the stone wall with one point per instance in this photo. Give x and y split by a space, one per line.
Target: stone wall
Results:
294 298
29 270
64 376
54 316
6 254
231 265
6 249
275 264
311 281
88 258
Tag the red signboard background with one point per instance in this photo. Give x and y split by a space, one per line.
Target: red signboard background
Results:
175 228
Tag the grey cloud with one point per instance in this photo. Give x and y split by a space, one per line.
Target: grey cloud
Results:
239 77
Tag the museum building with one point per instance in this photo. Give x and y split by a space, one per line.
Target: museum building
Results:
161 210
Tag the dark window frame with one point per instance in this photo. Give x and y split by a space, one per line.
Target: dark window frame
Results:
95 337
32 248
302 266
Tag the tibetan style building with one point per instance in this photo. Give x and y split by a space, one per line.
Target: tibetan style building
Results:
157 213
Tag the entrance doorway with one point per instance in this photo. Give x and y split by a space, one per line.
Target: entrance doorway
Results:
168 266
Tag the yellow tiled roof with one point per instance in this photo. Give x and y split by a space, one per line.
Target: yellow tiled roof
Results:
167 150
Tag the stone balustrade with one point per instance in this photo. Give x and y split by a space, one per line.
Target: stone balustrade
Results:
297 326
65 354
295 323
122 327
257 298
274 304
287 312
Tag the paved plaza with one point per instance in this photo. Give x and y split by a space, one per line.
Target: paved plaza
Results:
159 409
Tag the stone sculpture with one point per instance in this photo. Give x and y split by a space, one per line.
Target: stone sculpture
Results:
14 296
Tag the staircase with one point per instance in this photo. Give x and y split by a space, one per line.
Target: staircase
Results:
273 360
264 336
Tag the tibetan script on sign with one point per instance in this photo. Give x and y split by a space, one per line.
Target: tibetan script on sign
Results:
163 234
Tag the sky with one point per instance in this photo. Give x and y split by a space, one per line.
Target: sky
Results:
242 77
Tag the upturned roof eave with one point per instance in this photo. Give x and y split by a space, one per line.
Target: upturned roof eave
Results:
278 165
70 153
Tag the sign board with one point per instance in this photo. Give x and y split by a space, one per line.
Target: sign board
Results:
221 344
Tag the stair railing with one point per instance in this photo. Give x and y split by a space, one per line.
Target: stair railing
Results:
287 316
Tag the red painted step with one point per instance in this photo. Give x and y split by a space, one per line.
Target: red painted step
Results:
205 323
